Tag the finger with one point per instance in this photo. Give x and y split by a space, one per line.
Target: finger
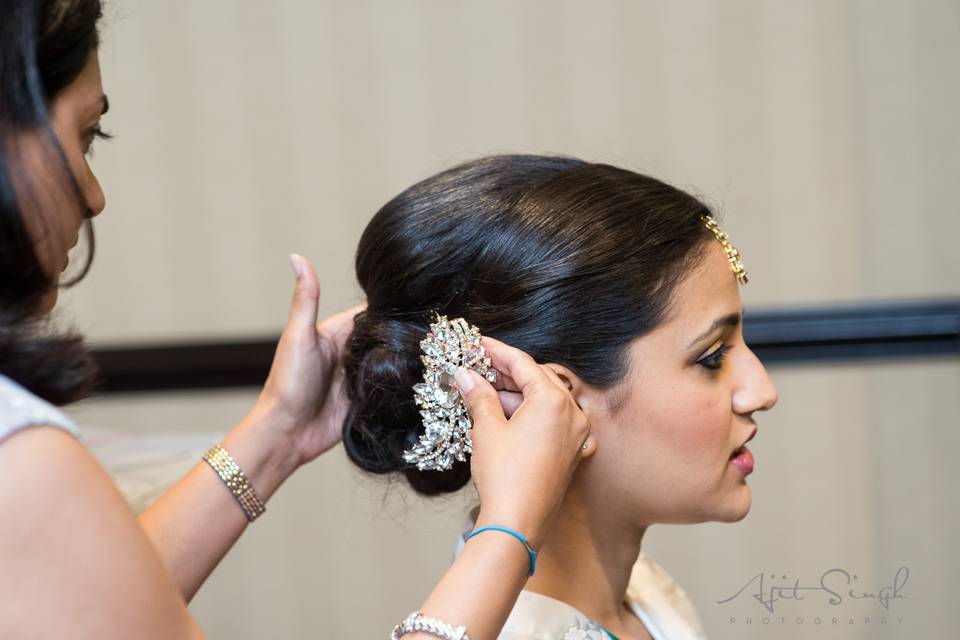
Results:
510 401
341 403
339 326
555 377
508 384
480 397
517 364
504 382
306 296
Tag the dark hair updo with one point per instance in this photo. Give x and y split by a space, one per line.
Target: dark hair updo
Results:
565 259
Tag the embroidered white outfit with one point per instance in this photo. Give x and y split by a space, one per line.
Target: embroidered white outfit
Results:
20 409
660 603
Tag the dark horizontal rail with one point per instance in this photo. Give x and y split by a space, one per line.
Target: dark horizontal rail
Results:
871 331
186 366
851 333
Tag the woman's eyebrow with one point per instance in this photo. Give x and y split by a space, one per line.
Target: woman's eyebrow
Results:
97 107
729 320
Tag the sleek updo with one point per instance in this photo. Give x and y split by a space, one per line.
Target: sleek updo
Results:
567 260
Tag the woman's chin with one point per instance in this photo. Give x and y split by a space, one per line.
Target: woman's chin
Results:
47 302
737 505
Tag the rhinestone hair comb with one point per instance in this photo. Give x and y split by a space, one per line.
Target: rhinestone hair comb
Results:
446 438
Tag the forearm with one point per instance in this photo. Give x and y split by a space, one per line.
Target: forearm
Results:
480 588
196 522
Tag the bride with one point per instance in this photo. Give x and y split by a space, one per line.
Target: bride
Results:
628 290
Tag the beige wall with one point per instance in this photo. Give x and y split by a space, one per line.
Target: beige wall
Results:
825 131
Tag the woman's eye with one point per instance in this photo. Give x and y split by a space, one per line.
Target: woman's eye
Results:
714 359
95 133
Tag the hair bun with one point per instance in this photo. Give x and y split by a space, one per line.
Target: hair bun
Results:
382 363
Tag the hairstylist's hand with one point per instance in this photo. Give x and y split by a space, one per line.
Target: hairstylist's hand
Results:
302 402
522 465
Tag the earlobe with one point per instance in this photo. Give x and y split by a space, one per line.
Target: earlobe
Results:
588 448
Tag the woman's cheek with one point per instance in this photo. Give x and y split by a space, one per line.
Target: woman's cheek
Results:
706 431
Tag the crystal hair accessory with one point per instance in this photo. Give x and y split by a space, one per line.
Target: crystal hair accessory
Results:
449 344
732 254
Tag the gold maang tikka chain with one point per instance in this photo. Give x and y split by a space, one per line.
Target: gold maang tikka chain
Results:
733 256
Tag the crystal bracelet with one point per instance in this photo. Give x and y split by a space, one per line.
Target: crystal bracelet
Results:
229 471
417 622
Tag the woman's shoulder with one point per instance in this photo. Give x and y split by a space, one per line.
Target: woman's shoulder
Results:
20 409
661 603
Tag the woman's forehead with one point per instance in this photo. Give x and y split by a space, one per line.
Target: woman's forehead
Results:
706 294
86 91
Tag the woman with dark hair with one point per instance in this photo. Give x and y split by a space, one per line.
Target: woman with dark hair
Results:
628 289
74 560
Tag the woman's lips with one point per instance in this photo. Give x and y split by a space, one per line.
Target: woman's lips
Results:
743 460
66 257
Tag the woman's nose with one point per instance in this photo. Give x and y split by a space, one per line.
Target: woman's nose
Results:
96 200
756 391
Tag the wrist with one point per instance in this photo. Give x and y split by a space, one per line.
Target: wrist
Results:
527 523
519 537
500 550
263 450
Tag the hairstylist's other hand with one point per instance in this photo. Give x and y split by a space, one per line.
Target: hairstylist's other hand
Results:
302 403
522 465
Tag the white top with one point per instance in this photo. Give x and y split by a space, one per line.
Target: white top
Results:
660 603
20 409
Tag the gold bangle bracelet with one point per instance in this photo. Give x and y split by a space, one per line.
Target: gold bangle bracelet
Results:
229 471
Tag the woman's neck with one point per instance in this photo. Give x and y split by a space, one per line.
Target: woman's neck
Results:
586 561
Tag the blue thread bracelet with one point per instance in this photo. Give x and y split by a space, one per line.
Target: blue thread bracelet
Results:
515 534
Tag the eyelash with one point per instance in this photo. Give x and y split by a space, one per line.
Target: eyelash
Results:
96 133
714 360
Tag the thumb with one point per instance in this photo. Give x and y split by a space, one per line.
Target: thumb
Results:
480 397
306 296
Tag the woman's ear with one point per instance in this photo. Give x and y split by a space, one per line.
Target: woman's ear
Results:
566 376
591 400
587 397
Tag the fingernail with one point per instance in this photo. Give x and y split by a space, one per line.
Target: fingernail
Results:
297 265
465 382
